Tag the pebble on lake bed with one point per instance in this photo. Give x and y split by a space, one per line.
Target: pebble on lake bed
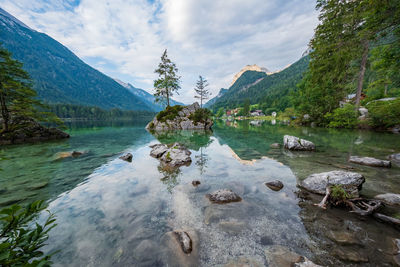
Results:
275 185
195 183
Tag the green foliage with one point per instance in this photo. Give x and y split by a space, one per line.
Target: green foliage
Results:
68 111
339 57
344 117
17 97
246 107
220 112
168 80
170 113
21 240
384 114
338 194
271 92
200 115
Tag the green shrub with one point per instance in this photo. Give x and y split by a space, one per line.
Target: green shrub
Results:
200 115
151 125
345 117
338 194
20 240
384 114
169 113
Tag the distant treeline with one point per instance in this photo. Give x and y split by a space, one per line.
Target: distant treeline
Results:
68 111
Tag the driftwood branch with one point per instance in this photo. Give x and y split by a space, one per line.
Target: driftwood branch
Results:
363 207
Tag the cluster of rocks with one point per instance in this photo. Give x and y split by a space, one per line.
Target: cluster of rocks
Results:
181 121
27 130
172 155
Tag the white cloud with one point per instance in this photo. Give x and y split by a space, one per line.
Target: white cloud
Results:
213 38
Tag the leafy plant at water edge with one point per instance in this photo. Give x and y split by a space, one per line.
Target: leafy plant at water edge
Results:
20 239
344 117
338 194
384 114
200 115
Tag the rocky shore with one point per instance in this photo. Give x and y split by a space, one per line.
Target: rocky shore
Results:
26 130
190 117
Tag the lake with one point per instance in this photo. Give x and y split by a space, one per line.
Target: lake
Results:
112 212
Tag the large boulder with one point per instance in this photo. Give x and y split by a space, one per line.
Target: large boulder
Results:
27 130
173 155
368 161
181 120
295 143
317 183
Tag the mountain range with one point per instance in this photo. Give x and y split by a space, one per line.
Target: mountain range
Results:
270 90
59 76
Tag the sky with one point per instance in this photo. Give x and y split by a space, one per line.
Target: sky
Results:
213 38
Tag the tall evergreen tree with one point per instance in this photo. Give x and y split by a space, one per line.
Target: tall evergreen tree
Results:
340 52
17 98
168 80
201 91
246 107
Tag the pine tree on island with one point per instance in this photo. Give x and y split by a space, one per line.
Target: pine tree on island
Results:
168 81
201 91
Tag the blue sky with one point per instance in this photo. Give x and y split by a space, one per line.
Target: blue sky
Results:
212 38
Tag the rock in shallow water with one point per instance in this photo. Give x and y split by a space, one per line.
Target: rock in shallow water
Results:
173 155
368 161
280 256
275 185
389 198
223 196
351 182
175 244
275 145
295 143
127 157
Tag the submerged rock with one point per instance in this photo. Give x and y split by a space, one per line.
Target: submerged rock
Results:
295 143
223 196
173 155
275 145
317 183
180 248
127 157
275 185
232 227
389 198
145 250
370 161
395 158
181 121
73 154
350 255
280 256
343 237
185 241
195 183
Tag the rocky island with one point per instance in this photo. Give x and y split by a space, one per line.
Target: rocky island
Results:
178 117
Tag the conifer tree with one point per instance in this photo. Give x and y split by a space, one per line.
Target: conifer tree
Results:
17 97
201 91
168 80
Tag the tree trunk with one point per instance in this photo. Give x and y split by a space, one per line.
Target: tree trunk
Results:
201 101
362 72
4 111
167 97
386 87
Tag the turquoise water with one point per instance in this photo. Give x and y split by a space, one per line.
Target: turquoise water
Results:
107 208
